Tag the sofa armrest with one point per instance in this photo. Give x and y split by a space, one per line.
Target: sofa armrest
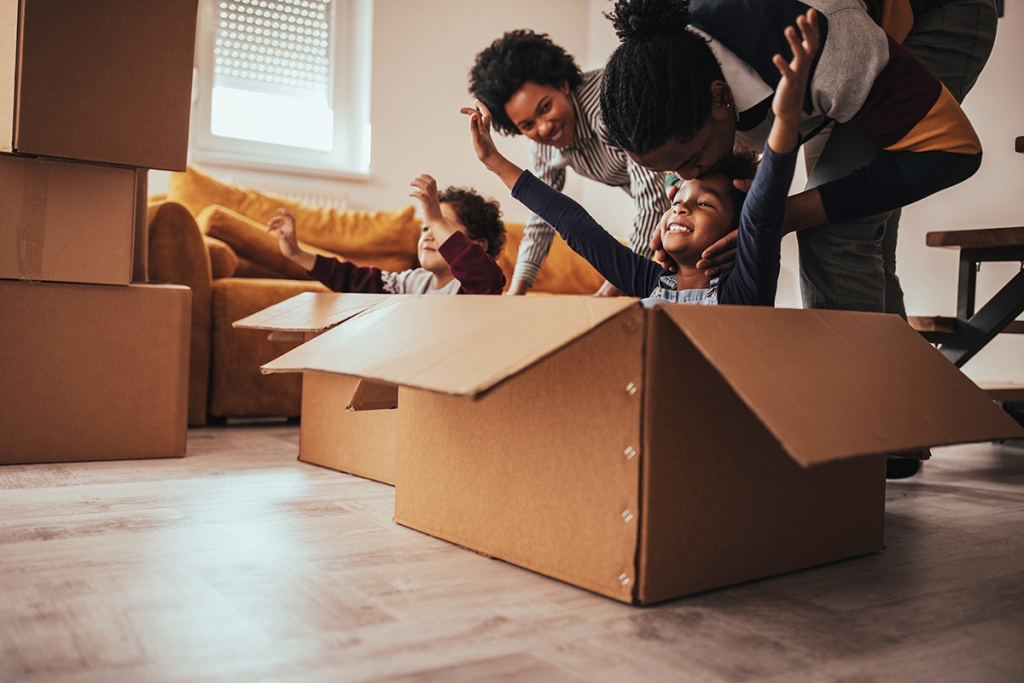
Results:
177 255
237 386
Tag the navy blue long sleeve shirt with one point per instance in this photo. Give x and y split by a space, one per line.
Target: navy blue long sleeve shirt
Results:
753 280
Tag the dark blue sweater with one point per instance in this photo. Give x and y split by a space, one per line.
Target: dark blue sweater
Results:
751 282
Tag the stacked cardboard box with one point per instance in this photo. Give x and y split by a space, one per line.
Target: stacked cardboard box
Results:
91 96
643 454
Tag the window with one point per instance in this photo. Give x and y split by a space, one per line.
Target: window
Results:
283 84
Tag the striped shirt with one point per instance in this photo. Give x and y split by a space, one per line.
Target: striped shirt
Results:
592 155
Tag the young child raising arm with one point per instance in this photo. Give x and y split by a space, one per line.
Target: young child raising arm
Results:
461 237
703 211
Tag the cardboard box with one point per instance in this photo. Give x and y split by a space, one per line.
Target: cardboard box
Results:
106 80
348 424
645 454
66 222
92 372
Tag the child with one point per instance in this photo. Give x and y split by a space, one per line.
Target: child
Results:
462 236
703 210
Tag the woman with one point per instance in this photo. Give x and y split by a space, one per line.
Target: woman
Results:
895 133
533 87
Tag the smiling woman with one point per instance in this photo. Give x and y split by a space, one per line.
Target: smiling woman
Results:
543 113
532 87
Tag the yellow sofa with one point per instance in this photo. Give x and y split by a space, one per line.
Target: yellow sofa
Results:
210 236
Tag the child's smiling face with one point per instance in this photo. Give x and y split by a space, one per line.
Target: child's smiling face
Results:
702 213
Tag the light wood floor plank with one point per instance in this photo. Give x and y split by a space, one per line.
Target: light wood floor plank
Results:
239 563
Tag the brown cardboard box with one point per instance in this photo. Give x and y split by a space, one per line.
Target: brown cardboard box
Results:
348 424
66 222
93 372
646 454
106 80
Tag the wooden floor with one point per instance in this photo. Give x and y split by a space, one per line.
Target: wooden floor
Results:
239 563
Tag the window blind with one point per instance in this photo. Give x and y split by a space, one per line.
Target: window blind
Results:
273 45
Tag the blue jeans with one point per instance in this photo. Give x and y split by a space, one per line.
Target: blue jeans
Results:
852 265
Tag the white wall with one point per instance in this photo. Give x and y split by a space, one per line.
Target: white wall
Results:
422 52
994 197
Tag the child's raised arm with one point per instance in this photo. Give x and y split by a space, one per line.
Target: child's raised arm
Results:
283 225
425 190
480 129
789 95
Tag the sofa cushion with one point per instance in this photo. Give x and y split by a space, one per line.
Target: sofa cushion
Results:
563 272
223 259
249 240
250 269
364 236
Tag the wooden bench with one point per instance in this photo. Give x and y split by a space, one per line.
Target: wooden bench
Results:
1003 392
960 338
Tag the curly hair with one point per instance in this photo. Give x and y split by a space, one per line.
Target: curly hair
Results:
641 106
482 217
516 58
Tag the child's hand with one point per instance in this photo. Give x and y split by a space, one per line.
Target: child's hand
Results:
789 95
480 129
425 190
283 225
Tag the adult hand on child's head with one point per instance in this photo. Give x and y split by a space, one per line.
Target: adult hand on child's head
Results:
720 256
425 190
660 255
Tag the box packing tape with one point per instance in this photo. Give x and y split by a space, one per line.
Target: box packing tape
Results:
30 216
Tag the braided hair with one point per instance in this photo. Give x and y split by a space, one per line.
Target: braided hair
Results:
516 58
657 83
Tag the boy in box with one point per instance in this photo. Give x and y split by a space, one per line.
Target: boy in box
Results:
703 211
462 235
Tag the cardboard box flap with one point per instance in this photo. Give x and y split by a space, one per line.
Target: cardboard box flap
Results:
8 75
370 395
836 384
462 345
310 312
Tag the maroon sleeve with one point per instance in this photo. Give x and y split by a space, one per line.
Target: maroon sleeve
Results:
345 276
472 266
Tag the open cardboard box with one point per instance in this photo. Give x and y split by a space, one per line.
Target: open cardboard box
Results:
348 424
93 372
645 454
